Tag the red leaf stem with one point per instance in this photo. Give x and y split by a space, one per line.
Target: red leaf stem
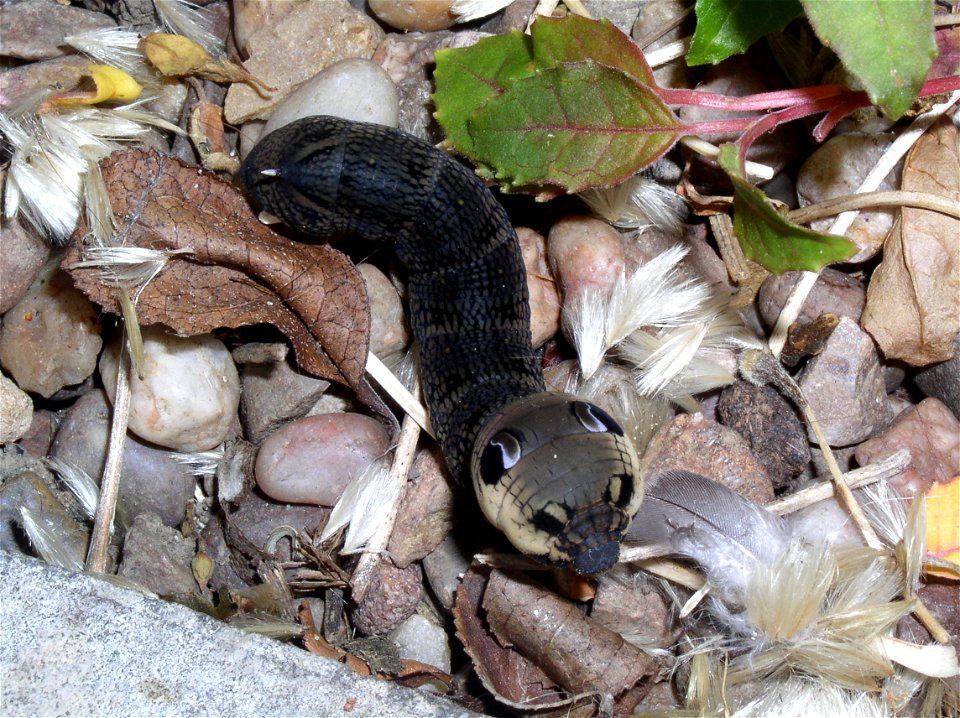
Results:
769 122
752 103
713 127
832 118
940 85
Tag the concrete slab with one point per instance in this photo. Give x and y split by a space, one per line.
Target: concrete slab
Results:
73 644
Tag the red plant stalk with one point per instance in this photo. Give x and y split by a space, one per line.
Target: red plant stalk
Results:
837 101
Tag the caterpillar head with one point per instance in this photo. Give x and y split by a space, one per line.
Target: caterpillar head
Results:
559 478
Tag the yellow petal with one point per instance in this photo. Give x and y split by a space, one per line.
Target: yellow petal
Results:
111 85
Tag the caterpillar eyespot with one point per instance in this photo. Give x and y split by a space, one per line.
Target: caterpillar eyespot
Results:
555 474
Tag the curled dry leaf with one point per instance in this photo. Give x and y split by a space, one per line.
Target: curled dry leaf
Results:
179 56
911 308
237 272
536 650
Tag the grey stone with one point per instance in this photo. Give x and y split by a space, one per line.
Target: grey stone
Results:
84 646
35 29
845 388
158 557
273 394
152 481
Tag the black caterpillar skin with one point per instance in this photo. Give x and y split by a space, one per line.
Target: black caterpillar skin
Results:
470 313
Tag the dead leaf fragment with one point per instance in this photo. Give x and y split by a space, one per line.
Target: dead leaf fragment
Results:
510 677
576 652
911 308
237 271
534 650
179 56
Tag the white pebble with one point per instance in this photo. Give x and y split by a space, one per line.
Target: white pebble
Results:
422 640
188 397
354 89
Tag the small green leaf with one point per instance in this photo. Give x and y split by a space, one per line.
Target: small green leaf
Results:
575 38
575 126
767 237
886 44
729 27
466 78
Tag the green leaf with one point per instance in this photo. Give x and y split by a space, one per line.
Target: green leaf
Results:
466 78
886 44
767 237
729 27
575 126
576 38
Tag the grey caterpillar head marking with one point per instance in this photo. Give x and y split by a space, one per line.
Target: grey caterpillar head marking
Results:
554 473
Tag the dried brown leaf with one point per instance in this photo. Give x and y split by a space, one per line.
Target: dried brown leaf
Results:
579 654
509 676
911 308
237 271
534 650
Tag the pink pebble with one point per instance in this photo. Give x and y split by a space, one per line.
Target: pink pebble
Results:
311 460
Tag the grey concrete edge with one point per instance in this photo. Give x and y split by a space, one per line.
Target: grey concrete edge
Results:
74 644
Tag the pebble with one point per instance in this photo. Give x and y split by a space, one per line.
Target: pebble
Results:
391 598
414 15
544 297
212 544
294 48
826 521
27 489
273 394
770 425
257 518
837 168
50 339
932 434
311 460
691 442
942 381
38 438
389 332
425 516
151 480
63 72
845 387
354 89
586 254
158 557
251 15
189 394
655 15
22 254
16 411
833 292
423 640
35 30
250 133
443 567
622 13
